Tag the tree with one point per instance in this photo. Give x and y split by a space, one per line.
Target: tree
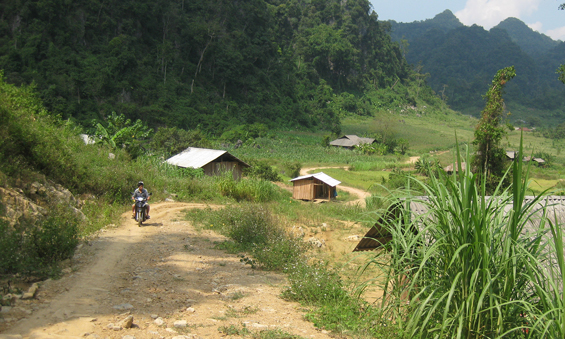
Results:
561 69
561 72
121 132
489 160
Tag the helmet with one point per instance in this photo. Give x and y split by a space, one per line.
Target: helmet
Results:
140 184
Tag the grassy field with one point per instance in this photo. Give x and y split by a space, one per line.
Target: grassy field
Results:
428 136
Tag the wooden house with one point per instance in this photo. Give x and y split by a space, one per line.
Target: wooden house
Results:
513 154
213 162
314 186
350 141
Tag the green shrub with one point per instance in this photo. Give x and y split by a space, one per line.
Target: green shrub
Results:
255 230
10 244
35 248
313 284
170 141
252 190
292 169
279 252
397 179
262 170
56 238
245 132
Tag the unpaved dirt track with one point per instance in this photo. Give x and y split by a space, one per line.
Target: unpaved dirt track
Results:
163 269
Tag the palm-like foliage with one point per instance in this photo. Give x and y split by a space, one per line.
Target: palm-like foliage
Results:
471 267
121 132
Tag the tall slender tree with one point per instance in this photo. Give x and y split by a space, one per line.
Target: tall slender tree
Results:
489 160
561 69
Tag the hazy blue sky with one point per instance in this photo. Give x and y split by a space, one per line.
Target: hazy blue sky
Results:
541 15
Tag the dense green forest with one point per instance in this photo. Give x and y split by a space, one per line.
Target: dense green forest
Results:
459 62
206 64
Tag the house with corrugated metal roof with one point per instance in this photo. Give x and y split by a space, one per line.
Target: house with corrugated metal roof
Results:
314 186
350 141
513 154
212 161
378 235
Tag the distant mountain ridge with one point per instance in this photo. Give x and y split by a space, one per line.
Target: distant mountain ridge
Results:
460 62
444 21
530 41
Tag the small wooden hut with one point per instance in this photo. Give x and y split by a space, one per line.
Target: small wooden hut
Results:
212 161
314 186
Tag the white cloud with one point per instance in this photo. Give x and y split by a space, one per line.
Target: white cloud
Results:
489 13
557 34
537 26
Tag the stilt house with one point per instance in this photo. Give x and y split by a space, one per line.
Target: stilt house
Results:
314 186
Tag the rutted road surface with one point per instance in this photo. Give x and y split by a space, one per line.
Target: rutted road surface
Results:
164 274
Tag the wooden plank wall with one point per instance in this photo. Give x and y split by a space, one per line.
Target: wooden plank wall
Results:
303 190
215 168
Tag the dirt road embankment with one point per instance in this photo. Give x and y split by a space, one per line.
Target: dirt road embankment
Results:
167 276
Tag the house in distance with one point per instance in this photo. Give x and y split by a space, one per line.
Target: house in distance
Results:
350 141
314 186
212 161
513 154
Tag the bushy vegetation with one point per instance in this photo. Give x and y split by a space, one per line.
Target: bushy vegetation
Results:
472 268
253 229
265 243
222 67
34 247
261 169
171 141
37 146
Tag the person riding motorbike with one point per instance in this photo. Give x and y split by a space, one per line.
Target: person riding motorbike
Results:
140 192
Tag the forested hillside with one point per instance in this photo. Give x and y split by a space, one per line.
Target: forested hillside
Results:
531 42
205 64
460 61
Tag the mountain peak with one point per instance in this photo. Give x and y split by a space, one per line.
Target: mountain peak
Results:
446 20
530 41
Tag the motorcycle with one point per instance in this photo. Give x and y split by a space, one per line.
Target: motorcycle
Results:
140 210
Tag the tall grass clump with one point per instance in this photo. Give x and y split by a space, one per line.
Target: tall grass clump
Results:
251 189
253 229
464 265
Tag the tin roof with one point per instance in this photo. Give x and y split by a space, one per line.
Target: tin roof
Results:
323 177
194 157
512 155
351 140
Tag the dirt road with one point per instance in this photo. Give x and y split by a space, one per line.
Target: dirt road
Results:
164 274
351 190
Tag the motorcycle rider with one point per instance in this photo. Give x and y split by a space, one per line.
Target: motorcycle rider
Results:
140 192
